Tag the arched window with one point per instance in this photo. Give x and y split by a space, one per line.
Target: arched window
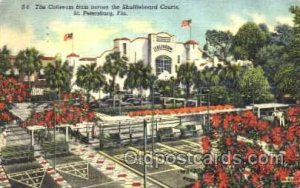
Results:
163 63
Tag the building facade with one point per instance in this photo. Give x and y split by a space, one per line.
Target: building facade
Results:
160 50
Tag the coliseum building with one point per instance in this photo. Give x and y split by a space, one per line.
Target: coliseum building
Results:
160 50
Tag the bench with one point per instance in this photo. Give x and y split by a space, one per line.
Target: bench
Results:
110 140
167 133
15 154
60 148
190 130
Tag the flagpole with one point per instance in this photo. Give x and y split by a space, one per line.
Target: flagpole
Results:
190 32
190 29
73 44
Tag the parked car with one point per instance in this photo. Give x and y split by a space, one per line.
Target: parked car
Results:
105 98
110 102
127 96
98 104
134 101
191 104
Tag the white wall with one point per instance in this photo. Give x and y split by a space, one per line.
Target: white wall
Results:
145 49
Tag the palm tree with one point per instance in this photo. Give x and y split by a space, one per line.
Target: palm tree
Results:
58 76
138 76
115 66
28 61
186 74
231 74
5 64
208 77
91 78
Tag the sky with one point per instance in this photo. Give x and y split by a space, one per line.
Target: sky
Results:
45 29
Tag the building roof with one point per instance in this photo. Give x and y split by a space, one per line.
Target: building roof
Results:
270 105
12 57
111 50
88 59
48 58
123 38
144 38
191 42
161 33
73 55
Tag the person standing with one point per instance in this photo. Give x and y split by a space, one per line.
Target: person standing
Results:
1 140
3 136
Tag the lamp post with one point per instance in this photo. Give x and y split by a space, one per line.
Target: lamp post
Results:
152 119
54 135
145 152
201 90
153 81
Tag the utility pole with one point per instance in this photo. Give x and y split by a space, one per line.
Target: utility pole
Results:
145 152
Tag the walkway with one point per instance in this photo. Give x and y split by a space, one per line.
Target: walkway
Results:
115 171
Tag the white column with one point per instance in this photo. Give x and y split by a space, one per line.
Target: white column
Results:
258 112
67 133
32 137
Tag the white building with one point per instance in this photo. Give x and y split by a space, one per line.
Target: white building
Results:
160 50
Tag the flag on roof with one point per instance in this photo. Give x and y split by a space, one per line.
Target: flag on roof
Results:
186 23
68 36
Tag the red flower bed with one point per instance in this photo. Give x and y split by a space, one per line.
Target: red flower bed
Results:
260 174
294 115
10 91
62 113
297 178
205 143
179 110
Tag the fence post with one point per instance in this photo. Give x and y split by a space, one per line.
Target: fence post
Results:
156 129
130 135
145 152
101 134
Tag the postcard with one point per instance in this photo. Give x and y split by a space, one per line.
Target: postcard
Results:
149 93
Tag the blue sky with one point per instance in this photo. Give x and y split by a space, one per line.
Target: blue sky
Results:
44 29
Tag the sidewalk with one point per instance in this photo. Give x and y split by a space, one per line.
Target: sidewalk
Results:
4 183
108 167
54 174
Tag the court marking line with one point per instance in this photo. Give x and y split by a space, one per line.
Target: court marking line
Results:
190 142
133 170
101 184
158 159
172 148
154 173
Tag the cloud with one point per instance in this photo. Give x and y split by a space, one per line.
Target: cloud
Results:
257 17
284 20
15 39
89 40
139 26
236 21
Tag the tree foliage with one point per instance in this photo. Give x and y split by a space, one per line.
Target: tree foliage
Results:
218 43
138 76
58 76
186 74
294 49
209 76
287 79
5 64
90 77
255 86
29 61
248 41
168 88
115 66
